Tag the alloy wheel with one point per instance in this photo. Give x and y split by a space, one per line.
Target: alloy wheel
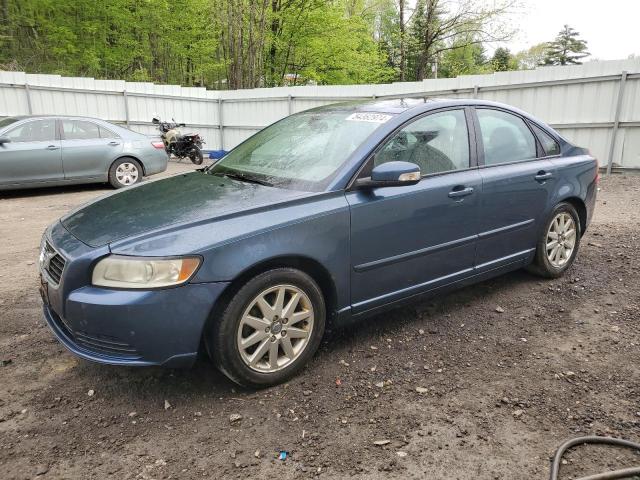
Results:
275 328
561 239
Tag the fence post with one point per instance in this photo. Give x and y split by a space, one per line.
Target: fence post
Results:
475 91
616 120
290 104
126 108
28 93
220 125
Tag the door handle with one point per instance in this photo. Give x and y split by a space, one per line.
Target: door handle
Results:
542 176
114 143
460 191
53 147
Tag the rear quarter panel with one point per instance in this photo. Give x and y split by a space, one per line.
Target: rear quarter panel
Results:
576 177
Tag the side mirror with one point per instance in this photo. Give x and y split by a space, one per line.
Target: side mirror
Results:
182 125
4 140
391 174
155 121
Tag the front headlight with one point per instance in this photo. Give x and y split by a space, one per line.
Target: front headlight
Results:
140 272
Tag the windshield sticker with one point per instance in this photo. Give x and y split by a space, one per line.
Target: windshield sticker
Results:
369 117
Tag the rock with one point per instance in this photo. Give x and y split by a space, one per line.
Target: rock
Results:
257 454
167 405
569 374
615 329
499 309
421 332
306 393
421 390
133 414
30 263
518 413
380 384
380 443
91 393
342 362
235 417
401 454
42 469
522 339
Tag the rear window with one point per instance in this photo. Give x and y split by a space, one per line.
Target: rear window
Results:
549 145
5 122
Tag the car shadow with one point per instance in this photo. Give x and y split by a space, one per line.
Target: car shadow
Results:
57 190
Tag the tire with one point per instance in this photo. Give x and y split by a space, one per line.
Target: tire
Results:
125 172
549 260
243 319
195 155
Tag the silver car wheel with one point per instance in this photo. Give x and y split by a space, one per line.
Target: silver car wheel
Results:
275 328
561 239
127 173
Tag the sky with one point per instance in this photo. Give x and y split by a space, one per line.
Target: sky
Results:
610 27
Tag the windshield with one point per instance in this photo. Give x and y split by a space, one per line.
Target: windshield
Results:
300 152
5 122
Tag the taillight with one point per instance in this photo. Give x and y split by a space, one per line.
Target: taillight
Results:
158 145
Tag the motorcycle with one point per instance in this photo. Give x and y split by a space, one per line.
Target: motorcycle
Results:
187 145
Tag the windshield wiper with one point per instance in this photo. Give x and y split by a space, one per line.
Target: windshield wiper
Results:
242 178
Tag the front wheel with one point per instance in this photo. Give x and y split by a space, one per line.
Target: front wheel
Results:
558 245
195 155
269 329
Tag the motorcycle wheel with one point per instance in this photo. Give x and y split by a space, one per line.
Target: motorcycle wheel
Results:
195 155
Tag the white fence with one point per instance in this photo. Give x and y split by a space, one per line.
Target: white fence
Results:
595 105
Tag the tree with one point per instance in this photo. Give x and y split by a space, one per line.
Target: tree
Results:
532 57
503 60
566 49
438 26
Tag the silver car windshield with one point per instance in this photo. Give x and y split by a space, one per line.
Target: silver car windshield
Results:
302 151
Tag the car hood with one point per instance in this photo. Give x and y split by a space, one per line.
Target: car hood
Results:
180 199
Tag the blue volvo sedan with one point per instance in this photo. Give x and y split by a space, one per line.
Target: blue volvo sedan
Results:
331 214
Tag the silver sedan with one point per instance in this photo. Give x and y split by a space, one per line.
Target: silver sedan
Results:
39 151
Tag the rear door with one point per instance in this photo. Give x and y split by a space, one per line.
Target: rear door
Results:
517 183
32 155
410 239
88 148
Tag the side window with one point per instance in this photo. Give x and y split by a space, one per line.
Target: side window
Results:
106 133
506 137
79 130
35 131
436 143
550 146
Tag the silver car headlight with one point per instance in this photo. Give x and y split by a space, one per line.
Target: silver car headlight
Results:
143 272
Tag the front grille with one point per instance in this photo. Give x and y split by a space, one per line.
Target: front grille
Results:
53 262
105 344
102 344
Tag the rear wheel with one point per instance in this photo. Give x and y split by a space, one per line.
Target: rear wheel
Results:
125 172
558 245
269 329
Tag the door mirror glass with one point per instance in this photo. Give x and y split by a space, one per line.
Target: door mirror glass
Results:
4 140
392 174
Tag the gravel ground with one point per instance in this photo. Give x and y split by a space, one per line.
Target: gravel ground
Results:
482 383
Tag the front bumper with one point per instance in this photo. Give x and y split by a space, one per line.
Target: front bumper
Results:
123 327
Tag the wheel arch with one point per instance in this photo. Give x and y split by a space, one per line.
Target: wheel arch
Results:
305 264
581 208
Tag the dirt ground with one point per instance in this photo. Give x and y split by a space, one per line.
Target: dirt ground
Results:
508 369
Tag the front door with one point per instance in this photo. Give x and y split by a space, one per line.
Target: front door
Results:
32 154
517 183
410 239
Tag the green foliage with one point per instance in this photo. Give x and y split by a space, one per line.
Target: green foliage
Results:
503 60
566 49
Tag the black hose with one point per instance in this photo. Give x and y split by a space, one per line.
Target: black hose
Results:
555 465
